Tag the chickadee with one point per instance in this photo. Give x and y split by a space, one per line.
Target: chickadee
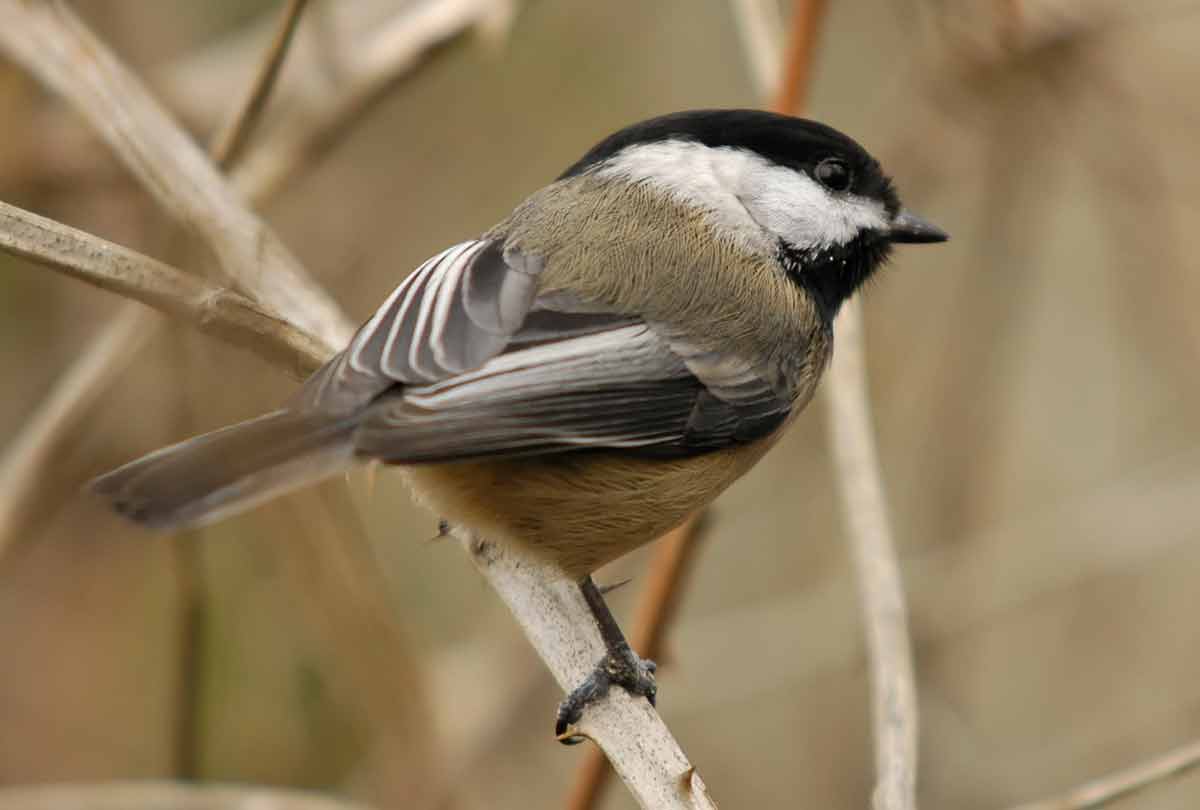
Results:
605 361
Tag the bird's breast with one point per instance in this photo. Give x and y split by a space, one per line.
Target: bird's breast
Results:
579 510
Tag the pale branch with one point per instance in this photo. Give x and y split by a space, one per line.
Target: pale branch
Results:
1121 784
799 57
52 43
881 588
554 616
214 310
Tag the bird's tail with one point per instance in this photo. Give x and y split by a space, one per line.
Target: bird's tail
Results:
218 474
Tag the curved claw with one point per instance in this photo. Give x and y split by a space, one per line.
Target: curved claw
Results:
622 668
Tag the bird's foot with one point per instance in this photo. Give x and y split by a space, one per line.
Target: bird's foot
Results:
619 667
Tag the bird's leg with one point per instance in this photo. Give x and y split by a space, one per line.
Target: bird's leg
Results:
620 666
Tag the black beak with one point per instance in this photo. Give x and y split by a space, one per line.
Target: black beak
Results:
908 228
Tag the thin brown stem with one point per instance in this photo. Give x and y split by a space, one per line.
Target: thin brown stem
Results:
791 97
231 140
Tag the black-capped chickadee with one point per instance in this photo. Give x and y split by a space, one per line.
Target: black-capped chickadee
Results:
629 341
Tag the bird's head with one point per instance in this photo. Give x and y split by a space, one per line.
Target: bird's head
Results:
798 189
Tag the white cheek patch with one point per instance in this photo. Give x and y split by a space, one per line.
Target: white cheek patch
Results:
797 208
749 196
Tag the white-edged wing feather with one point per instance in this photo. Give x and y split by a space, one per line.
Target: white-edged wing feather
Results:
464 360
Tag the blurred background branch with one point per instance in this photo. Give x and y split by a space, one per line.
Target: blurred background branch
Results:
214 310
1122 784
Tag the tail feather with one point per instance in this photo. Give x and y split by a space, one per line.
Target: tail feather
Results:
218 474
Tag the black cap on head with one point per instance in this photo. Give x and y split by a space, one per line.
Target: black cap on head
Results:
796 143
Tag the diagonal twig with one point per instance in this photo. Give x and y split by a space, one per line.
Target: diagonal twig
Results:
214 310
551 611
232 138
1119 785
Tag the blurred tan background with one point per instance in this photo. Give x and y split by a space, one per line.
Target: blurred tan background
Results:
1037 401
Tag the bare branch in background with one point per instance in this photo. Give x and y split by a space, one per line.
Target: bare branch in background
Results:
864 503
52 43
881 588
41 441
555 618
214 310
673 561
1122 784
365 70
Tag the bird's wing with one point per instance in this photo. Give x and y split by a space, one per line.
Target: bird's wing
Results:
465 359
624 386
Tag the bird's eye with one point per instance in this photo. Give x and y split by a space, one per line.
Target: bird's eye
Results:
834 174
